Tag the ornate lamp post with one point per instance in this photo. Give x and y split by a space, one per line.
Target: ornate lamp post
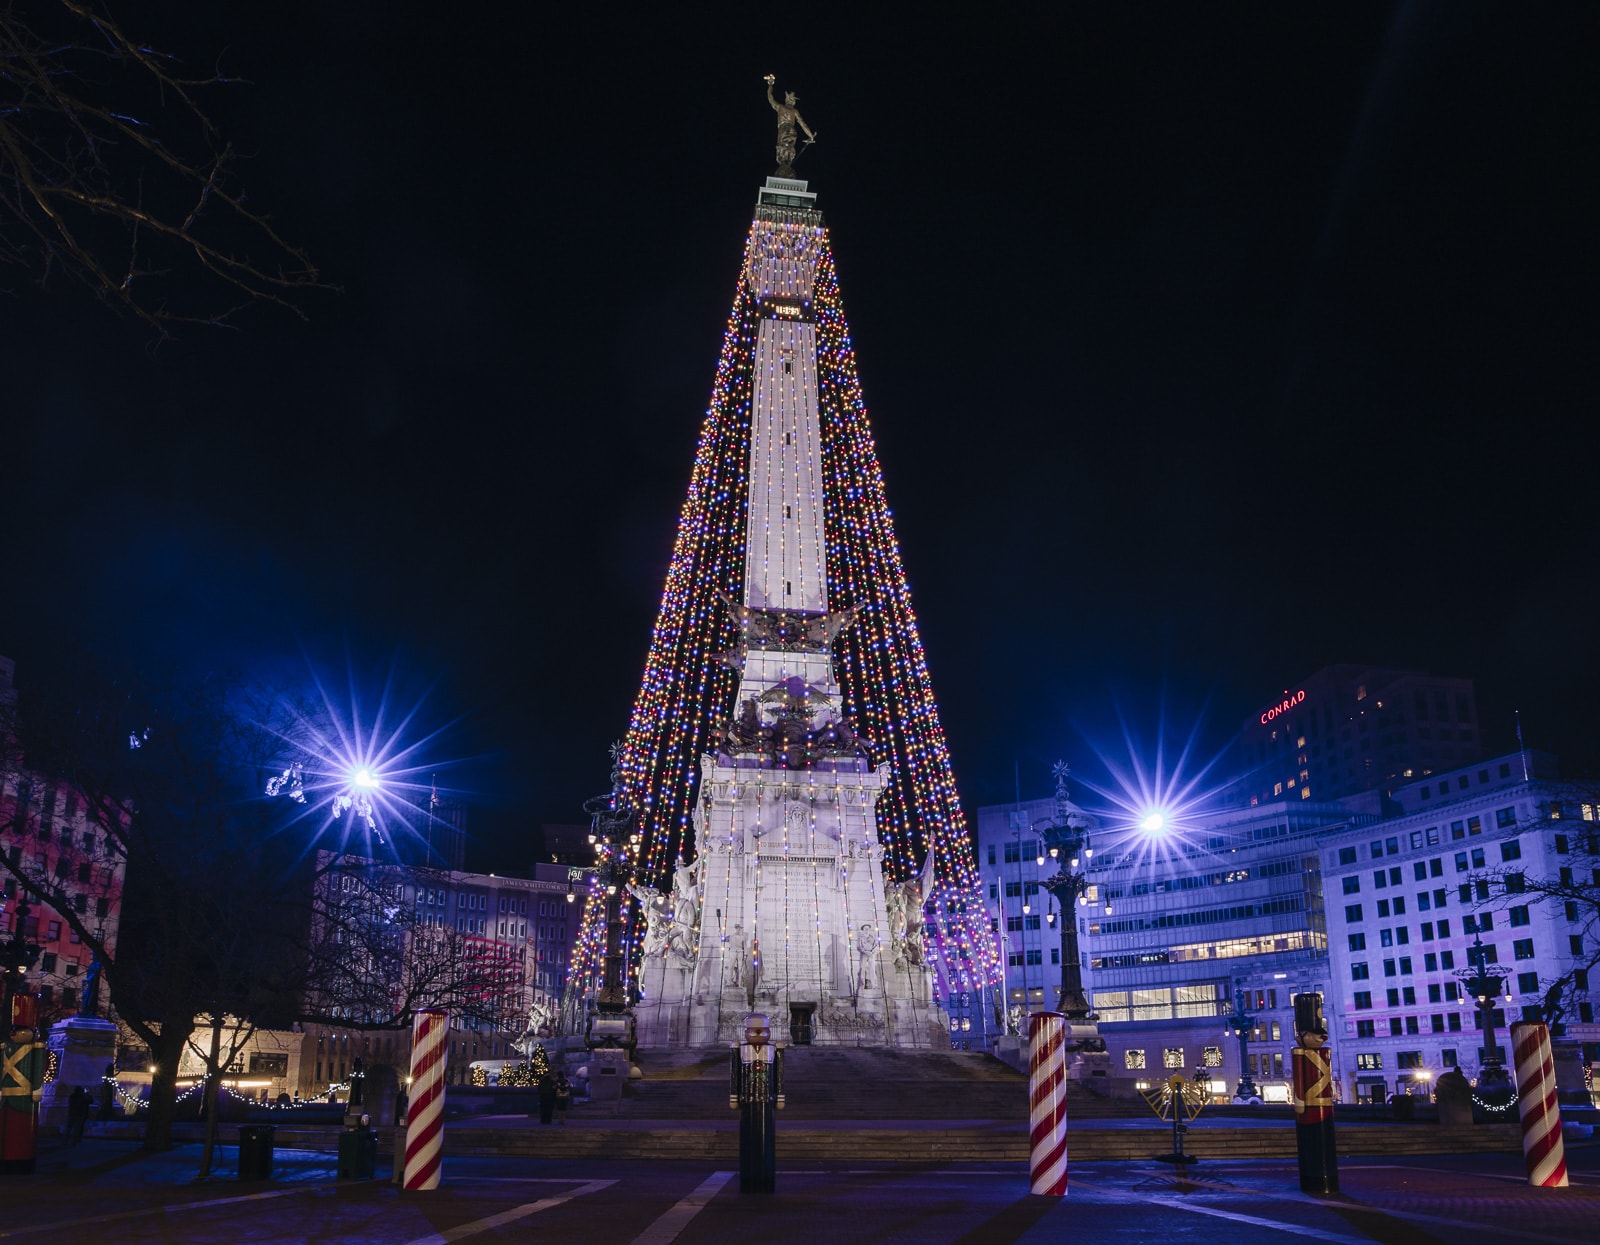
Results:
18 954
1241 1023
1484 987
1066 838
613 833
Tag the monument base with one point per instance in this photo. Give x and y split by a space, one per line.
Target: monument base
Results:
86 1048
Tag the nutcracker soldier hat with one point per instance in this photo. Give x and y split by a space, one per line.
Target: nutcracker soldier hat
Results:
1308 1014
24 1012
757 1020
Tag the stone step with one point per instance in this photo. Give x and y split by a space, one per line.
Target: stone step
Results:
975 1143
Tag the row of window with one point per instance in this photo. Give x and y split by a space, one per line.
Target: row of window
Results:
1173 1057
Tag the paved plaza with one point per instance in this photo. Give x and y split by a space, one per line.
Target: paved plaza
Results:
109 1190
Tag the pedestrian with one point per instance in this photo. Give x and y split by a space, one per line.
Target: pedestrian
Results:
563 1097
78 1105
547 1097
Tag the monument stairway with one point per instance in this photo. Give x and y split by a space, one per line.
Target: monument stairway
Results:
857 1083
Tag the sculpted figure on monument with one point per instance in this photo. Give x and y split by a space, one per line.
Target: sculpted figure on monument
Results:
788 118
740 956
657 915
915 925
685 908
866 944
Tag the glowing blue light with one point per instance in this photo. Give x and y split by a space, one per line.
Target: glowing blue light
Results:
365 778
1153 822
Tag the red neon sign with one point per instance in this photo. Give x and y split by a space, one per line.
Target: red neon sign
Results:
1283 706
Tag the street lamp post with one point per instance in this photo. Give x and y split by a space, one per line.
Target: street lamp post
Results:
1484 987
18 954
613 833
1242 1023
1066 837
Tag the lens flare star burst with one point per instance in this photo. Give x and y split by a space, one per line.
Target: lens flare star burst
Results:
366 787
1151 807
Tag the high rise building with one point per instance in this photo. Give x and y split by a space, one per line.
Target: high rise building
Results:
61 873
1350 728
801 849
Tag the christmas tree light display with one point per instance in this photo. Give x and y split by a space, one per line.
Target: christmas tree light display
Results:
797 602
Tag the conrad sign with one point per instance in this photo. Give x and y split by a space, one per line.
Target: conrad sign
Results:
1283 706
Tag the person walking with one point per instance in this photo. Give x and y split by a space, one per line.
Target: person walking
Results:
547 1097
78 1105
563 1097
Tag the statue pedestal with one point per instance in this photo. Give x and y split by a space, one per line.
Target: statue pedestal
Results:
84 1046
608 1073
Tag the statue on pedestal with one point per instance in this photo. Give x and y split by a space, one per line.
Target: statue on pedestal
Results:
788 118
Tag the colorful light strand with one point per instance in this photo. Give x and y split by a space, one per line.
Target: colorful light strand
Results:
686 691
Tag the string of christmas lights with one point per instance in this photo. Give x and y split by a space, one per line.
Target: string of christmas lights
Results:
687 692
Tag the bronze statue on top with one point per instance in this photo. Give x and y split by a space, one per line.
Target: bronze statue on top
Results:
788 118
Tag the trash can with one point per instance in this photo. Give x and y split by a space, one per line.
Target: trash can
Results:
358 1154
255 1151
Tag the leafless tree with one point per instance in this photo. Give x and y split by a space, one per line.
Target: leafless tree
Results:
113 176
373 958
1570 898
158 781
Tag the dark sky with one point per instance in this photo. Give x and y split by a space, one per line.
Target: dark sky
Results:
1204 344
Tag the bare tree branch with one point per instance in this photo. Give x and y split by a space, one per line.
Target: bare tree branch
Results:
113 174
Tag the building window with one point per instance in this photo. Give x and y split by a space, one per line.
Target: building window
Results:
1347 855
1505 817
1359 971
1352 913
1511 849
1527 983
1172 1057
1364 1029
1409 1059
1352 885
1372 1062
1358 942
1133 1058
1211 1056
1363 1000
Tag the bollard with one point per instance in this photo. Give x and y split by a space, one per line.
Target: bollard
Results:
424 1137
1047 1117
1313 1098
1542 1148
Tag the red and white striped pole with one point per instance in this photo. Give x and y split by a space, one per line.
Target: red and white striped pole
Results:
1047 1118
430 1029
1542 1148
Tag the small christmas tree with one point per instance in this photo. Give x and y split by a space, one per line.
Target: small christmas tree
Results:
480 1077
538 1063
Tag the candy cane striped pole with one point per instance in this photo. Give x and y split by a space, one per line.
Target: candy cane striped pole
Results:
425 1110
1047 1076
1536 1098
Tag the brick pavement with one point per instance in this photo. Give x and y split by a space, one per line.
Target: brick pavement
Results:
106 1190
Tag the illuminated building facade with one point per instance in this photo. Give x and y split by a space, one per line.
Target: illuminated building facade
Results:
1349 728
1171 934
523 928
48 837
1411 899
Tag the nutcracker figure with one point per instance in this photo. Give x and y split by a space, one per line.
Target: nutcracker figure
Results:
21 1085
1313 1098
756 1091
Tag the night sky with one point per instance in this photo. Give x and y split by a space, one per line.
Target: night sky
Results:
1205 345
